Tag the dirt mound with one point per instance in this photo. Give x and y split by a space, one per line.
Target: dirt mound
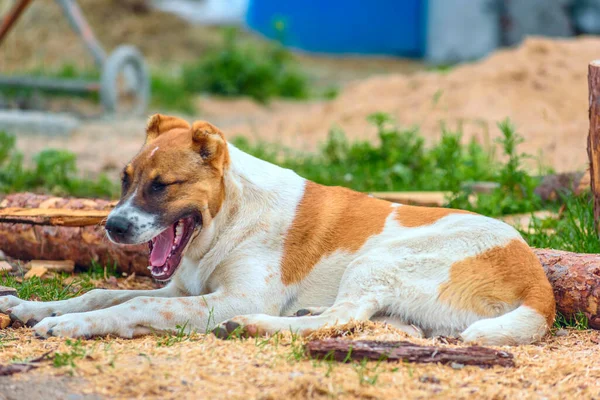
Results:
541 86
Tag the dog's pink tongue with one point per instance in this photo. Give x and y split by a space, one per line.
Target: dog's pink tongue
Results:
161 247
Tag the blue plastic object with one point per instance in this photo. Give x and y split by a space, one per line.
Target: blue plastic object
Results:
385 27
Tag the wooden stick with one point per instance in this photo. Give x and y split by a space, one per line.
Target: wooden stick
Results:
593 144
347 350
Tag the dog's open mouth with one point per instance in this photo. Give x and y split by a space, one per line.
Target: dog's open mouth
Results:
166 248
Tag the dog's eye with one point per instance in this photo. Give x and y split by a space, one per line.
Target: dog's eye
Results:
158 186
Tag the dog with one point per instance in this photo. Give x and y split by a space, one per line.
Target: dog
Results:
245 244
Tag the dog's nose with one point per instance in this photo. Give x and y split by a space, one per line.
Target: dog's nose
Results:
118 227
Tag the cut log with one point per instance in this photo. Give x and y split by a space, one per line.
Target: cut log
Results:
575 279
347 350
593 144
82 244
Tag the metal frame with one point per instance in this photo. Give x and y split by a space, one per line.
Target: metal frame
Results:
107 64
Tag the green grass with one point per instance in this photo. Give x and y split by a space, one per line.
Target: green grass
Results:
573 232
235 69
578 321
54 288
181 334
58 287
54 171
67 359
400 161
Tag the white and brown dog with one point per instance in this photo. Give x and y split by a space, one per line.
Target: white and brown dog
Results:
245 244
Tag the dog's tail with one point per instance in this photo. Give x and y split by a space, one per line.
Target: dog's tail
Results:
526 324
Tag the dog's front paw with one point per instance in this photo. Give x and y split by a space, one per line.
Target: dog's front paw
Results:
28 312
84 325
235 328
8 302
69 325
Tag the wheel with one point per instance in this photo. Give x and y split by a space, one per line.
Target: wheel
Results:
125 82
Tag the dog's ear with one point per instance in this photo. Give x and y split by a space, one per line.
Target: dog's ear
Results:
209 141
159 124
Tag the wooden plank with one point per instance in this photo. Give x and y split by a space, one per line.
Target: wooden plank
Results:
53 216
431 199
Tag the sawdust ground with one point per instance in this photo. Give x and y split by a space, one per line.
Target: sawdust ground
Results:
202 366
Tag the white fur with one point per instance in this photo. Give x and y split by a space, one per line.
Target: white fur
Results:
231 270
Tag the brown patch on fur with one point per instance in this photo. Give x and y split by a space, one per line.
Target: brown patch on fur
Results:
158 124
329 219
167 315
509 275
185 302
414 216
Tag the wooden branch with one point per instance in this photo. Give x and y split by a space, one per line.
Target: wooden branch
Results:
593 145
347 350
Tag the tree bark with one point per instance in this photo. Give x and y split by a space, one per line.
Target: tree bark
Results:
347 350
593 145
575 279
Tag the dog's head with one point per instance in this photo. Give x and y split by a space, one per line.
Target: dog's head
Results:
171 190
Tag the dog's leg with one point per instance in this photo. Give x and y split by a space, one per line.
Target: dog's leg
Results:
340 313
144 315
35 311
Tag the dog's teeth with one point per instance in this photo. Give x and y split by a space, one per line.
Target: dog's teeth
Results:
150 267
165 269
178 230
174 247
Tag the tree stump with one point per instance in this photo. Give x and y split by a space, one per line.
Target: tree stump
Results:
593 145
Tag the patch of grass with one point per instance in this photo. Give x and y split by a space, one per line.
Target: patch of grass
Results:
54 288
54 171
245 70
579 321
400 161
181 334
169 93
516 191
76 352
368 373
573 232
